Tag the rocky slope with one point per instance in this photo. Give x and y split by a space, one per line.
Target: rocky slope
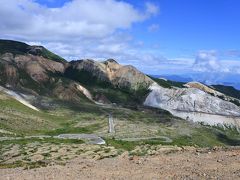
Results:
194 98
36 67
190 100
35 70
214 92
203 87
27 68
114 73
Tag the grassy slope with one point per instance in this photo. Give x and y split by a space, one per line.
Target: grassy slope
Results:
64 117
19 119
90 118
59 118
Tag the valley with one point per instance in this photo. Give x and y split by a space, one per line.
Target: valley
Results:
53 112
132 128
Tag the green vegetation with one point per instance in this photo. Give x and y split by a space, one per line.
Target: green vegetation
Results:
14 47
31 165
124 145
135 125
85 117
118 95
167 83
17 118
41 140
49 55
202 137
228 90
234 101
85 78
76 130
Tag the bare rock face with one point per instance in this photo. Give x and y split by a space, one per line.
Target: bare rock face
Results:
211 91
71 92
129 76
204 88
111 71
189 100
8 73
11 73
36 66
97 69
195 105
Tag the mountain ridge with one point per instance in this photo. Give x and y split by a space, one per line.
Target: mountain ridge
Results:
107 82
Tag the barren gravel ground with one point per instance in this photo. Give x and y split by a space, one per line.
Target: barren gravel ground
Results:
185 164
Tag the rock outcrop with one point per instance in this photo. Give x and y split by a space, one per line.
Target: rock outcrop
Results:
38 71
212 92
36 66
182 102
189 100
114 73
203 87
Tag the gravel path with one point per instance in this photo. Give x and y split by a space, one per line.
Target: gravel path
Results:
164 139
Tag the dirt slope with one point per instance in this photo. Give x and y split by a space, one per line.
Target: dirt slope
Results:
186 164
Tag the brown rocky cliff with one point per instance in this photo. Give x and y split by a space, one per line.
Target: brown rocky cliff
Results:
116 74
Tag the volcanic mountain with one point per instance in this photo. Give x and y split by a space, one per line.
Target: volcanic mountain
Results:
37 71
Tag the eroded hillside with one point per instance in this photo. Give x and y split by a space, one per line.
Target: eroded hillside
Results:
45 99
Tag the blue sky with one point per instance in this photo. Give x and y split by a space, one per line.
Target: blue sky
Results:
156 36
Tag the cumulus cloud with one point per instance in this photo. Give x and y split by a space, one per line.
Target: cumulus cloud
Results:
208 61
74 20
80 28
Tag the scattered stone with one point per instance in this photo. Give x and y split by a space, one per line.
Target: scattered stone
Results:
37 157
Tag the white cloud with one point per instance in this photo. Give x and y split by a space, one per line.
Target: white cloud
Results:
153 28
208 61
93 29
77 19
79 29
